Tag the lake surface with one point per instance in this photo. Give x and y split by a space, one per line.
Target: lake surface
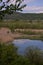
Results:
22 44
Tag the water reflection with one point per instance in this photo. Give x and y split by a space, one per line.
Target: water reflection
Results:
24 43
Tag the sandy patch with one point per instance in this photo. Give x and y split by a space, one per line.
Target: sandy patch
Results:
6 35
34 30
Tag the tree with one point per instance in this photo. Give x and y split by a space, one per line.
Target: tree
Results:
8 8
8 54
35 55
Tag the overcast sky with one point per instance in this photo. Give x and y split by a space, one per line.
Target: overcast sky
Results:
33 6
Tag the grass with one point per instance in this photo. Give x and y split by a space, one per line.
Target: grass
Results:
31 37
29 32
22 25
12 25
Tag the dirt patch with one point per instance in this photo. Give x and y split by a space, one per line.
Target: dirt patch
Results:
6 35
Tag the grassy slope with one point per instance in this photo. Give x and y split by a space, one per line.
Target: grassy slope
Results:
24 16
25 21
32 30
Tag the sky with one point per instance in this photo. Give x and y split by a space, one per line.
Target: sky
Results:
33 6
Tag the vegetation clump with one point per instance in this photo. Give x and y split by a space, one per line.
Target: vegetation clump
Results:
9 55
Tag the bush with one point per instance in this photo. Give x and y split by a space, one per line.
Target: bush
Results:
8 53
9 56
34 55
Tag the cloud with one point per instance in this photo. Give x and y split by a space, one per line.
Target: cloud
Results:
35 9
25 1
39 12
31 7
28 1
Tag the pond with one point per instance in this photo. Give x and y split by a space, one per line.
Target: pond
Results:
22 44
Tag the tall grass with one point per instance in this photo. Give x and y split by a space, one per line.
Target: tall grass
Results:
22 25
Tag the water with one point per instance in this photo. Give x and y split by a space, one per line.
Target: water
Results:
22 44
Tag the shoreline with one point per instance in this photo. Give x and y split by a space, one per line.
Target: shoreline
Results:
6 35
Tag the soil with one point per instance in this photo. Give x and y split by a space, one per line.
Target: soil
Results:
6 35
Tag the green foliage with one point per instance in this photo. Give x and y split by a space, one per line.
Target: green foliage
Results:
25 27
8 53
17 6
35 55
9 9
22 24
25 16
9 56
